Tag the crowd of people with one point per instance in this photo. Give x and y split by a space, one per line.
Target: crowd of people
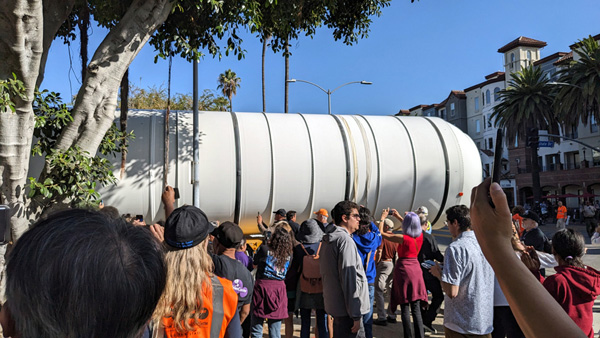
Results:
85 273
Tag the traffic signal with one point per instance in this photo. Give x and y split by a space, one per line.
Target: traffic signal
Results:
533 137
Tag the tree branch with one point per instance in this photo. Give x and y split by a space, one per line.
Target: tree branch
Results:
55 14
96 101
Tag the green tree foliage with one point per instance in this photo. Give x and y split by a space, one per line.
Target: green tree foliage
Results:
72 174
579 96
228 83
527 103
10 90
156 98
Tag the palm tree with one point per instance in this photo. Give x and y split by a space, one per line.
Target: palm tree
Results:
579 96
526 107
228 83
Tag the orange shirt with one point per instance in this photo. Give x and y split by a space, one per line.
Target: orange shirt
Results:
202 327
562 212
518 218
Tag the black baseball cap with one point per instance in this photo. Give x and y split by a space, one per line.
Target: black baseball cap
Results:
186 227
280 212
228 234
531 215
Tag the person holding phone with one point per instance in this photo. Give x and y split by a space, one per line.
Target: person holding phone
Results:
408 289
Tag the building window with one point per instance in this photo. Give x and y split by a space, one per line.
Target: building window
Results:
452 110
487 170
596 158
529 55
478 145
488 97
443 114
496 95
593 124
484 124
476 104
572 160
490 143
572 133
489 120
482 99
512 60
477 127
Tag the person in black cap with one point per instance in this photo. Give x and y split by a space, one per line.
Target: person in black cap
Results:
226 239
195 301
267 230
533 236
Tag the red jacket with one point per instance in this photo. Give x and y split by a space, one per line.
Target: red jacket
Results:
575 289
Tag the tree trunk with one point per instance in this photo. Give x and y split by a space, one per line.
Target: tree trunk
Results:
123 116
230 105
21 49
94 108
166 131
264 52
84 24
535 171
287 74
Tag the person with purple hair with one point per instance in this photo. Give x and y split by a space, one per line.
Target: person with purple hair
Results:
408 289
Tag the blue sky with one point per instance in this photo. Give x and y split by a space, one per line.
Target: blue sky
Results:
415 54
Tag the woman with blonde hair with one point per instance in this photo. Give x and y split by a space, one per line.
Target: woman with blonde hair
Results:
195 303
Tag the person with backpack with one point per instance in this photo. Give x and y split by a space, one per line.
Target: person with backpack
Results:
305 263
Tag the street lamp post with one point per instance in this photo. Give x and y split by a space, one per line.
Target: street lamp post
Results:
329 92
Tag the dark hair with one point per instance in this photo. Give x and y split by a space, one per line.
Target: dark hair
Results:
290 214
111 212
461 214
104 274
569 245
365 221
518 209
341 209
281 246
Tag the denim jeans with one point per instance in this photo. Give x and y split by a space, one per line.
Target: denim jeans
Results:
257 327
321 319
368 318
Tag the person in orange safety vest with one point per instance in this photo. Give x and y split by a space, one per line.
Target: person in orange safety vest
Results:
206 304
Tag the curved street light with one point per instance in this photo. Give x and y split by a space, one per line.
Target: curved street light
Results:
329 92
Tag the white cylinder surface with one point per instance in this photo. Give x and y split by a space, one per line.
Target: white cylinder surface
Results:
254 163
